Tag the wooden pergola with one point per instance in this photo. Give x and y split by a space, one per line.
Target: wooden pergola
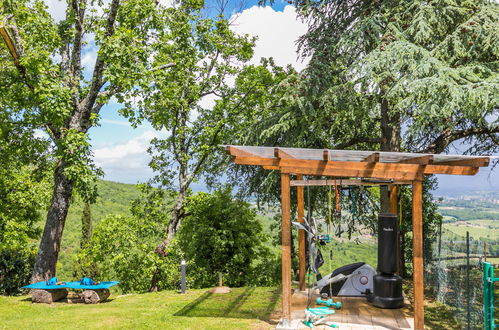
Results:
354 168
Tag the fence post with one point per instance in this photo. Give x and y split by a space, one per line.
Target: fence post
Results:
468 279
488 296
182 284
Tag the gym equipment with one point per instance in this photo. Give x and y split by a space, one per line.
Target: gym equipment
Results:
317 316
387 287
353 280
488 296
328 303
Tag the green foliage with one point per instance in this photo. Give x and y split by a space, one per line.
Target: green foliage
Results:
23 197
15 268
122 246
222 234
123 249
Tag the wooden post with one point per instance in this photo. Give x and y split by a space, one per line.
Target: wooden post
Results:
417 251
394 210
301 235
393 199
286 248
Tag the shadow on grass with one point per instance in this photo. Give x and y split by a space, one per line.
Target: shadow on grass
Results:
242 305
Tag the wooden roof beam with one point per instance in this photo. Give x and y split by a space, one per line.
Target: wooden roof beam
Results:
473 162
372 158
279 153
421 160
236 152
325 155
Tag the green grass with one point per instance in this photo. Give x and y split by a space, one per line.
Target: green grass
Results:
475 232
243 308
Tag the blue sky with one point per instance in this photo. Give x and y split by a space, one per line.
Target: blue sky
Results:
121 150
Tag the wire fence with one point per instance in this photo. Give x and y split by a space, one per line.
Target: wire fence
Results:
454 274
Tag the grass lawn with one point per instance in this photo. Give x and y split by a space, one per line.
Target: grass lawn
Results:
243 308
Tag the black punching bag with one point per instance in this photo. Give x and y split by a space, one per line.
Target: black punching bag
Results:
387 286
387 243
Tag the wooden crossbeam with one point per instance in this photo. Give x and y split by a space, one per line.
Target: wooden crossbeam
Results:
381 173
345 182
372 158
421 160
360 169
474 162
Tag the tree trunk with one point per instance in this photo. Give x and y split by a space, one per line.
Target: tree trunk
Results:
48 296
86 226
390 141
178 214
48 252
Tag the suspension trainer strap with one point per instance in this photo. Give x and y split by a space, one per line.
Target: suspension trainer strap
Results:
329 208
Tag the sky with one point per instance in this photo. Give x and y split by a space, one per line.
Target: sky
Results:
121 151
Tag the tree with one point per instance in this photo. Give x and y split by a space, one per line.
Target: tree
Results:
51 91
206 56
392 76
398 75
221 234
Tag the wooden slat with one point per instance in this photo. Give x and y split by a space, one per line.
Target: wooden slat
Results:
372 158
315 164
417 248
344 182
271 167
421 160
301 235
474 162
286 248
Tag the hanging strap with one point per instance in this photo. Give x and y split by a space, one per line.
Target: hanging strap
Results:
329 208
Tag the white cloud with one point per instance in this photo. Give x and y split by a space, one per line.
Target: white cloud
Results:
277 33
128 161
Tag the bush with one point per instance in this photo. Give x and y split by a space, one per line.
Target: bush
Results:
15 269
222 234
122 249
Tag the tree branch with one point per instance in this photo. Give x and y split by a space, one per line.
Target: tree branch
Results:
97 77
357 140
448 136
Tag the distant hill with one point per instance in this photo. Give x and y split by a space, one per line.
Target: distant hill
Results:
114 198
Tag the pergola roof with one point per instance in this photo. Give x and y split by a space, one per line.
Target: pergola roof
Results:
352 163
